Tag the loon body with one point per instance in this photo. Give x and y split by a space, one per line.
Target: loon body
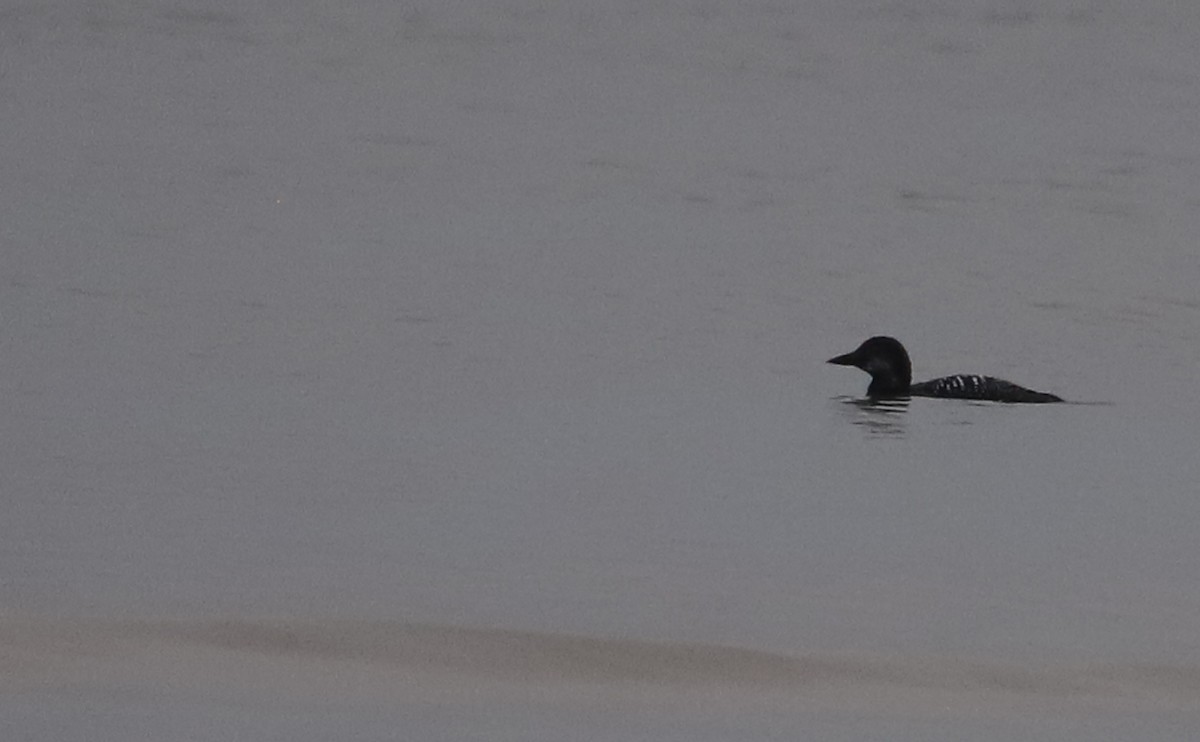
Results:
886 360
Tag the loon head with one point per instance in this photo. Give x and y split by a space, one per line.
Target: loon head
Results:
885 359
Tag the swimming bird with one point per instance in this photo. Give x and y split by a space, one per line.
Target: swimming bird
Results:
886 360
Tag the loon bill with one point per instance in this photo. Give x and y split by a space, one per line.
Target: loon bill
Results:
886 360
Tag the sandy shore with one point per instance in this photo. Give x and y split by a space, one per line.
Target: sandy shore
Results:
356 661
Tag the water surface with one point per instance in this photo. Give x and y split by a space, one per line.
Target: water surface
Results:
390 372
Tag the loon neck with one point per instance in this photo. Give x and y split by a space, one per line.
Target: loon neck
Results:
888 385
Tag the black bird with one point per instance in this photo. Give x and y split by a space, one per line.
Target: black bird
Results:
885 359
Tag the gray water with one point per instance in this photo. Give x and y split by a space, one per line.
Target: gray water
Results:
455 371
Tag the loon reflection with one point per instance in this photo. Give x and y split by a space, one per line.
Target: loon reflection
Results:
886 360
879 418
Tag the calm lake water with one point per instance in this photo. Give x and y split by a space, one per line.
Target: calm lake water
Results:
426 371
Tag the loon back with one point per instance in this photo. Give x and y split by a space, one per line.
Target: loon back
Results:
886 360
970 386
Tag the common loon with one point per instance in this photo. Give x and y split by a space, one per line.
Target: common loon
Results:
885 359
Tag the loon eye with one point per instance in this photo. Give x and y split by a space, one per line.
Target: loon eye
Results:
878 366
